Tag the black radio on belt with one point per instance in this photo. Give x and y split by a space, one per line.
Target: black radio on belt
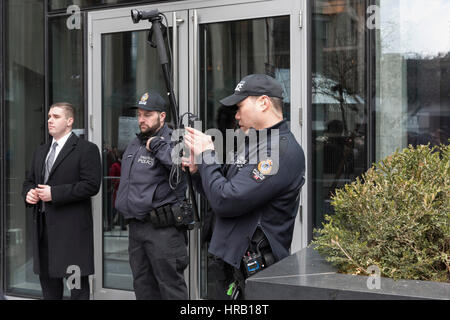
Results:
259 254
253 263
183 215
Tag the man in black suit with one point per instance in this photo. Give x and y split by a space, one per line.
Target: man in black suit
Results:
65 173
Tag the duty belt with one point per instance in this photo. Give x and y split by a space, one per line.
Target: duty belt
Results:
178 215
165 216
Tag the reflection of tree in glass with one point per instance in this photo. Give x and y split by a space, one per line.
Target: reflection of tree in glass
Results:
339 85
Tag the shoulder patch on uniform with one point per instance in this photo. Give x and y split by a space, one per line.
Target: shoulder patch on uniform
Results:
264 170
265 166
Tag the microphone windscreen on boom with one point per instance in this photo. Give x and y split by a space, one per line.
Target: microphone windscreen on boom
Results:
137 15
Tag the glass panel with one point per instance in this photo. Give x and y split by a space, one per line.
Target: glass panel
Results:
130 67
63 4
339 106
66 68
408 86
228 52
412 74
25 130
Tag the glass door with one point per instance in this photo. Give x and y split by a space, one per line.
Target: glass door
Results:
227 44
124 66
215 43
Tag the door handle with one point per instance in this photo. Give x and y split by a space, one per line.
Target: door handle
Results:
175 72
195 62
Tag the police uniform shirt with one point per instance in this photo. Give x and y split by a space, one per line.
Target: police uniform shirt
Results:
144 181
245 196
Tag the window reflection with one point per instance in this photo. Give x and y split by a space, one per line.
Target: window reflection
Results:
63 4
412 74
231 50
339 105
25 130
66 68
399 69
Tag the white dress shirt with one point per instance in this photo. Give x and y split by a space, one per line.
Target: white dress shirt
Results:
61 142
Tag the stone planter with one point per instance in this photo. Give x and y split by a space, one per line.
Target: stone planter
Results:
306 275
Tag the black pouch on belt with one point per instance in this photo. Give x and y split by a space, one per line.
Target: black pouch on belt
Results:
162 217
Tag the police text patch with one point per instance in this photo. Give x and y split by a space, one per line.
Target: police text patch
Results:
146 160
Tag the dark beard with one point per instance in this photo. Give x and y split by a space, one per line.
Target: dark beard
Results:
147 134
151 131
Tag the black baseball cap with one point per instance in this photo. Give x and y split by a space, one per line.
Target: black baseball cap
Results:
151 101
254 85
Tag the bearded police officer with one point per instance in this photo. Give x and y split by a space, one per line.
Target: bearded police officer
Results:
255 202
157 248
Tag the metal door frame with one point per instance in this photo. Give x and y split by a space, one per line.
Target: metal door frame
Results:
105 22
194 13
252 10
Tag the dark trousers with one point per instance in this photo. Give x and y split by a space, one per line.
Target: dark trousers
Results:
239 280
158 257
53 288
220 276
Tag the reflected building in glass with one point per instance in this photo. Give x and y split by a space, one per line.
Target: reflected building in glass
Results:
380 82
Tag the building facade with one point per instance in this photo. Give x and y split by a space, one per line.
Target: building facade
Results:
362 78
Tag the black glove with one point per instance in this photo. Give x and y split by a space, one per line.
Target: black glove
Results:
143 137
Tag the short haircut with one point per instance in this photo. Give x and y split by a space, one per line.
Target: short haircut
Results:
68 108
277 103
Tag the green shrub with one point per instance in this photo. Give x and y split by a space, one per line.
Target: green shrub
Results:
397 217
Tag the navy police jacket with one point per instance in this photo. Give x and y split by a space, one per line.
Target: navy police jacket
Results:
144 180
244 196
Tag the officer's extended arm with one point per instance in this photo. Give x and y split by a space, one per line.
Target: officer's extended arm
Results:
162 150
242 193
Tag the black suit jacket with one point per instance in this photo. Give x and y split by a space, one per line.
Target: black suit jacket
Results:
75 177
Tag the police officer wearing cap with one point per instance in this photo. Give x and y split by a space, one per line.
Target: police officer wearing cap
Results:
255 203
157 247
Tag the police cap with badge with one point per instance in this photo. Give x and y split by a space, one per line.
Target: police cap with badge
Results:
151 101
254 85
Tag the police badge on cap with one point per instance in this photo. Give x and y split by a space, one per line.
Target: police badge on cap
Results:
144 99
151 101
